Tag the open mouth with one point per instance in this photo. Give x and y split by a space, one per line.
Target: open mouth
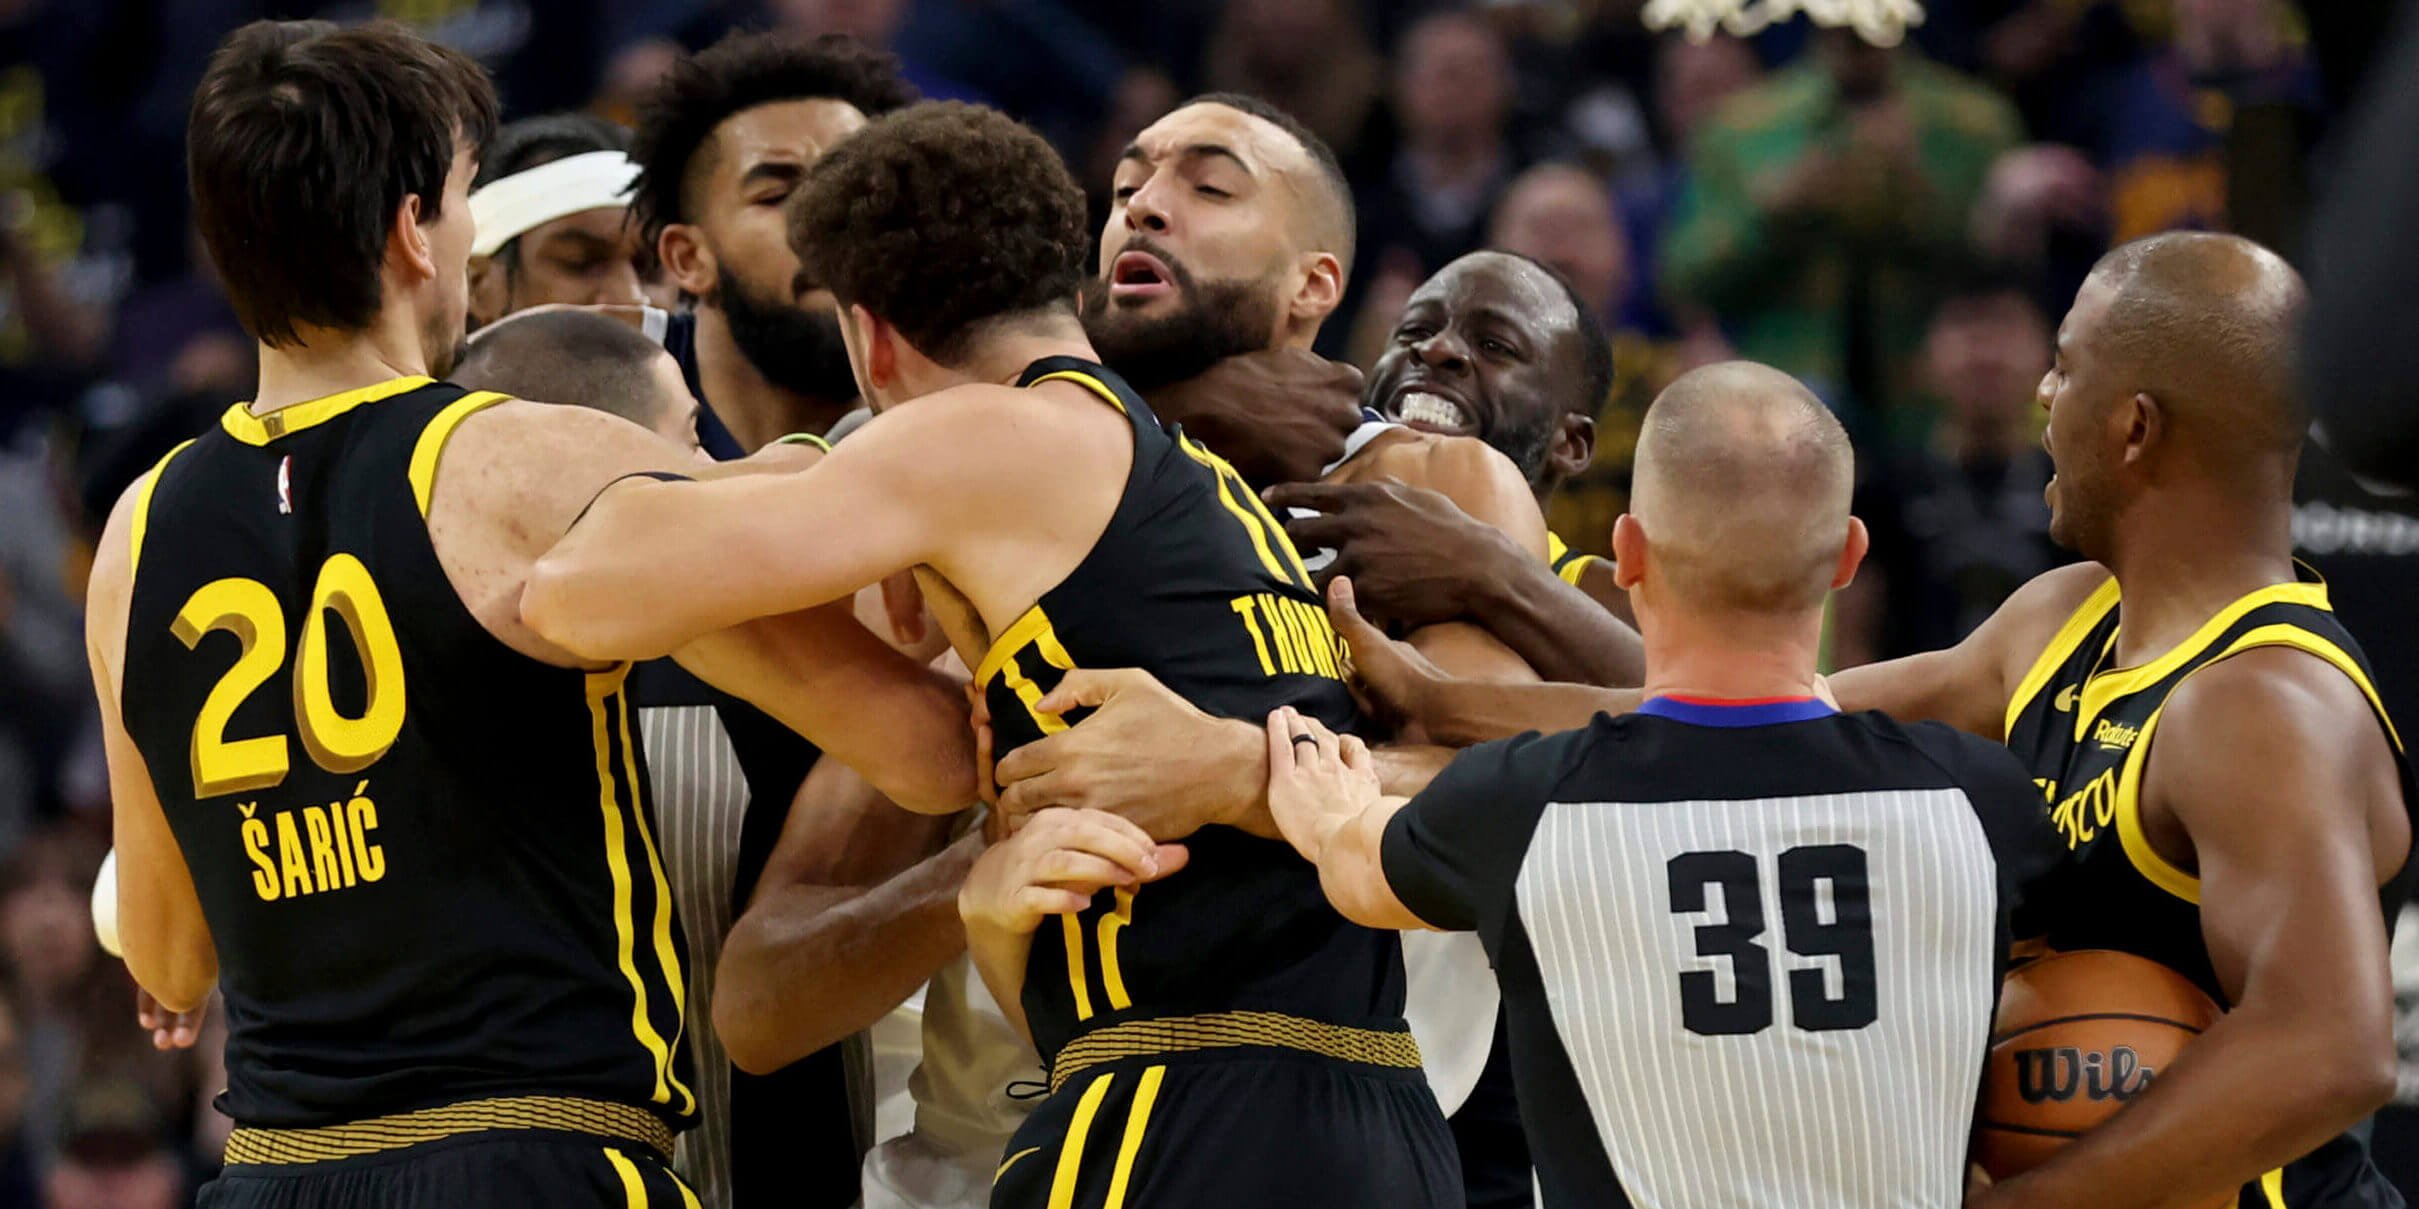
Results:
1138 277
1428 411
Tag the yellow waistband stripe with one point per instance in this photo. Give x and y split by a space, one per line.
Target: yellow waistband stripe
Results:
1233 1030
375 1135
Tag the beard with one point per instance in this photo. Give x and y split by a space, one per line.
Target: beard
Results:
1529 444
1214 320
796 349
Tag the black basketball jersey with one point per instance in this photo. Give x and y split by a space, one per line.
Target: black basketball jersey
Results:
2086 728
424 858
1194 582
1749 952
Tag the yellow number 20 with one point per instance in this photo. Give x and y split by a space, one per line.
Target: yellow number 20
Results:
250 611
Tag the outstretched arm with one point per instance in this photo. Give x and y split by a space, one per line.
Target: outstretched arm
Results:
1968 685
2287 797
857 908
1324 793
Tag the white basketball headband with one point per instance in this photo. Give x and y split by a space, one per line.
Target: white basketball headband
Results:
511 206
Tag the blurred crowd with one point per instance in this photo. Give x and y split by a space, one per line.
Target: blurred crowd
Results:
1898 227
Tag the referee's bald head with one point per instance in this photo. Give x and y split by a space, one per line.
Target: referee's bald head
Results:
1740 494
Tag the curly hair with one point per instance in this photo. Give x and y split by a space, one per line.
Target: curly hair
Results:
940 218
734 75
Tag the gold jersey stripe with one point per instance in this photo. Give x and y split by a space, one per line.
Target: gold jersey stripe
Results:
2108 686
603 689
431 445
634 1188
1229 1030
1071 1150
2272 1186
1275 566
374 1135
240 423
1016 637
1138 1118
2061 647
142 511
1087 381
676 980
2156 869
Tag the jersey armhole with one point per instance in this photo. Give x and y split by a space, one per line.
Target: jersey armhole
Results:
431 445
2061 647
141 520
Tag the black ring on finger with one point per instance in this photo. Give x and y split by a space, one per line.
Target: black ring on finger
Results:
1304 738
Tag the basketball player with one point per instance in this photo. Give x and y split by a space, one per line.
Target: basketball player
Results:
723 141
1501 348
551 204
414 857
2234 802
1630 871
1053 524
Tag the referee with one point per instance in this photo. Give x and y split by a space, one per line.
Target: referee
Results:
1749 946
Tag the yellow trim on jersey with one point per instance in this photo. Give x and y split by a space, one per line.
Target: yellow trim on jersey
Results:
431 445
2061 648
1230 1030
1138 1118
142 512
1568 567
241 424
2146 860
2106 687
666 956
603 687
634 1189
1003 1168
1071 1151
375 1135
1019 633
1087 381
1111 978
2272 1186
1073 928
1251 523
688 1199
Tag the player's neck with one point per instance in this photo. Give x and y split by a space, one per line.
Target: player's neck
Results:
1710 655
752 407
2179 566
1004 359
329 362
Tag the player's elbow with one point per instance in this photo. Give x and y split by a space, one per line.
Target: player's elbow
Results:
758 1031
180 976
2359 1080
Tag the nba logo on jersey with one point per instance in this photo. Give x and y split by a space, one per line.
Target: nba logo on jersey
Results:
285 486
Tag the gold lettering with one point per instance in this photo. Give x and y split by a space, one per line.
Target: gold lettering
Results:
2080 815
1318 636
1283 633
1244 608
290 858
361 815
323 848
256 847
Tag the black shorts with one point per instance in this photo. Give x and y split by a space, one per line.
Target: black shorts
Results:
502 1170
1221 1132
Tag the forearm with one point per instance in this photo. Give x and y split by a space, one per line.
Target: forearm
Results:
1460 713
2253 1093
808 965
999 955
648 568
1352 870
1559 630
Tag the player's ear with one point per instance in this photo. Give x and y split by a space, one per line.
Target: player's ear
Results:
1851 555
407 241
2143 423
490 292
1629 552
687 261
1574 444
1321 292
876 348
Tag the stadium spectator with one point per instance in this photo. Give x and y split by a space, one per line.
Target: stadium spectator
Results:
114 1153
1310 58
1818 205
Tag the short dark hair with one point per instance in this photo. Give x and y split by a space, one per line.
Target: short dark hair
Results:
302 141
1332 180
939 218
526 144
567 356
739 73
1596 345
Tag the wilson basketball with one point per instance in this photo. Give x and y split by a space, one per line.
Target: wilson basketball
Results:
2079 1034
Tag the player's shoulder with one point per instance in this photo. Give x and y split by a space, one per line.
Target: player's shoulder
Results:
2265 695
1433 460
